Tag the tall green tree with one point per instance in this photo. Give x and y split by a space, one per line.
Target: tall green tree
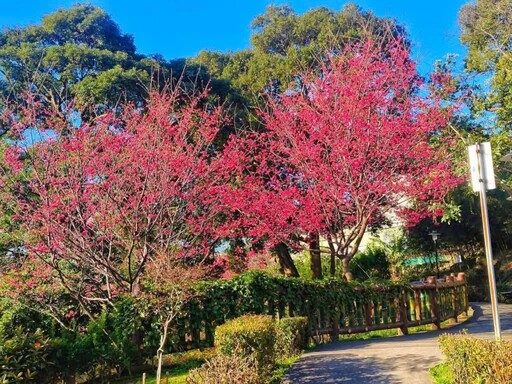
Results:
286 44
76 54
486 29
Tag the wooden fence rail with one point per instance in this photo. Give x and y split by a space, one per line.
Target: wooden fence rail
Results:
333 308
429 302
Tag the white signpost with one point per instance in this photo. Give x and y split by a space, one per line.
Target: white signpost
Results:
482 179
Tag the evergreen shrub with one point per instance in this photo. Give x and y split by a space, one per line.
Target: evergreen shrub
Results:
473 360
291 335
250 335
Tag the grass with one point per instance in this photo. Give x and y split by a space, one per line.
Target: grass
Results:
178 374
282 367
393 332
441 374
173 375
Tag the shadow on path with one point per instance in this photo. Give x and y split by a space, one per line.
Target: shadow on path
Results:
338 369
404 359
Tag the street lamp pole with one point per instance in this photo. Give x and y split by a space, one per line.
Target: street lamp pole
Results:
435 236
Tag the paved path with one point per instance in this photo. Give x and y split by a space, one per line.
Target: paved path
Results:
399 360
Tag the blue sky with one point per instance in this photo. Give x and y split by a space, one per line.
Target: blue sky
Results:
177 28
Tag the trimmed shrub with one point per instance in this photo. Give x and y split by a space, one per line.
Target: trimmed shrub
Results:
474 360
252 336
291 335
235 368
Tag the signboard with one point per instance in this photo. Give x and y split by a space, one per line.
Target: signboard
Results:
480 163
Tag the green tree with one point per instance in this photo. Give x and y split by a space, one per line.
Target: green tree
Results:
286 44
76 54
486 29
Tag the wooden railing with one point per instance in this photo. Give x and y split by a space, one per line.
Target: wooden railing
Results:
333 308
429 302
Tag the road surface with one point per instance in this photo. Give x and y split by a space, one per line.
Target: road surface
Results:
397 360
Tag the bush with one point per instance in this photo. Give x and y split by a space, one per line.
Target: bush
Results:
441 374
252 336
106 344
235 368
184 358
24 357
291 335
473 360
371 263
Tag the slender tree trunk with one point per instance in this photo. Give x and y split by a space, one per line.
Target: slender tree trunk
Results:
160 352
346 269
316 260
286 263
332 250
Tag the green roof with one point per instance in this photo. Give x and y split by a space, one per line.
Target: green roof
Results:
425 260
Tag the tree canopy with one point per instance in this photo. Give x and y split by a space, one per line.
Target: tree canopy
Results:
77 54
486 29
286 44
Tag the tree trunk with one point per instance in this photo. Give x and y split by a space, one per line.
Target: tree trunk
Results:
316 260
346 269
286 264
332 250
160 352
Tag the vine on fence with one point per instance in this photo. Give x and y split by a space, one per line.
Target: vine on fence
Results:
257 292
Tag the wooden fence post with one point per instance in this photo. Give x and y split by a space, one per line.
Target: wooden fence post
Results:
454 304
335 332
417 304
402 313
368 319
434 309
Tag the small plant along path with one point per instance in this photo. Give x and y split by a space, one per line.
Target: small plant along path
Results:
397 360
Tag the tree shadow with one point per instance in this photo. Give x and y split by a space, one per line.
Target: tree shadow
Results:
344 368
342 362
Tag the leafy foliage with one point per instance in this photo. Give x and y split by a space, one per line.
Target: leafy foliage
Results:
286 44
473 360
249 335
291 336
24 357
234 368
371 263
486 31
77 55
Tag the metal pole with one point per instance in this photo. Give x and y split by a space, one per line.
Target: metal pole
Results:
488 249
437 258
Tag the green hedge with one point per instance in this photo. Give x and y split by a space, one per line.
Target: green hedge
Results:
292 335
93 348
476 361
251 335
256 292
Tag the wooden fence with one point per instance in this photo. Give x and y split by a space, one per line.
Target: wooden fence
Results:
333 307
428 302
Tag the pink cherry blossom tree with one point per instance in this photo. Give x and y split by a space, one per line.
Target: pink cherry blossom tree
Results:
351 143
